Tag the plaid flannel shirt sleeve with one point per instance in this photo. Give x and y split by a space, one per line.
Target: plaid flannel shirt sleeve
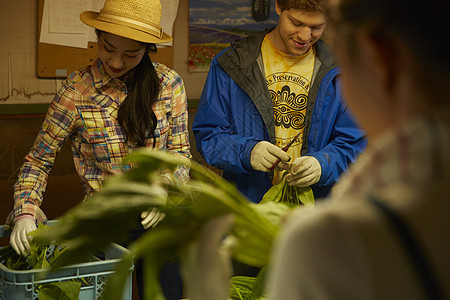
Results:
32 179
178 139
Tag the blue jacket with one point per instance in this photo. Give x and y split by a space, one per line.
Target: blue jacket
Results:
235 112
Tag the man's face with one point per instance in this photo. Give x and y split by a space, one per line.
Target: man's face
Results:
297 30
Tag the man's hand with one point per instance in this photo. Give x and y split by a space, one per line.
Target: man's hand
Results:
305 171
19 239
265 154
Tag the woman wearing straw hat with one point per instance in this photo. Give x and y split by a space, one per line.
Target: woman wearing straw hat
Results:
121 102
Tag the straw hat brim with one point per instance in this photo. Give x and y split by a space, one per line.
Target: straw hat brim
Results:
90 18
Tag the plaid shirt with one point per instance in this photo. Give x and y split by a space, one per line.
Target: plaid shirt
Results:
85 111
414 154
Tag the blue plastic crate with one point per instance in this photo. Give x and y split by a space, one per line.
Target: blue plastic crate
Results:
23 285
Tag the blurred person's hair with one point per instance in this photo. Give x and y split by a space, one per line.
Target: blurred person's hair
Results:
423 27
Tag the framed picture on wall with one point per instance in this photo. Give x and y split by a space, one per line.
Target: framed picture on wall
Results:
213 25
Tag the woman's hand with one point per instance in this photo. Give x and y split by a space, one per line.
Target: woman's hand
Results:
151 217
19 239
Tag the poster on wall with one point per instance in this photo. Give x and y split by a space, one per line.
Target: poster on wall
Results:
214 24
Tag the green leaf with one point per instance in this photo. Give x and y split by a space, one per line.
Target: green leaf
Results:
156 247
254 245
242 288
275 192
12 260
93 225
291 195
304 195
64 290
259 287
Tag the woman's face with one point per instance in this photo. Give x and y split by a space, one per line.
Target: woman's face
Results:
118 54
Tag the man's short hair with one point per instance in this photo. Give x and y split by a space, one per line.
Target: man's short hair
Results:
304 5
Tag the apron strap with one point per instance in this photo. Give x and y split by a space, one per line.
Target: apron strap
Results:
415 253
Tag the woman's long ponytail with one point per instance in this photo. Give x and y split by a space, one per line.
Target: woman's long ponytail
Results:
136 116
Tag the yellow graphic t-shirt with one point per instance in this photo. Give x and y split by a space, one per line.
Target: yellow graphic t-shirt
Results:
288 79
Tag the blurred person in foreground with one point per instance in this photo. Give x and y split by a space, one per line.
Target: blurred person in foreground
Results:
384 233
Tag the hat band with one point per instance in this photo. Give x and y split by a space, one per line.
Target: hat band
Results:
134 22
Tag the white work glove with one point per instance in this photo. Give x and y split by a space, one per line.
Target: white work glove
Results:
304 172
150 218
19 239
264 155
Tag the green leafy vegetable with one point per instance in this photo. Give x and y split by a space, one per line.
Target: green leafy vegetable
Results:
64 290
252 248
242 288
248 288
41 254
111 213
40 257
291 195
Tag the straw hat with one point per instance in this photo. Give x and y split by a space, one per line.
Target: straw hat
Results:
134 19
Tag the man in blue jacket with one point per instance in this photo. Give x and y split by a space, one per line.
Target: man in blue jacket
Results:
271 88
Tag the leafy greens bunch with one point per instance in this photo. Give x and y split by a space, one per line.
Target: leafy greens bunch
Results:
291 195
110 214
42 254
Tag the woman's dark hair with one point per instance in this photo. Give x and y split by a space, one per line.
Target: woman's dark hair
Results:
136 116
